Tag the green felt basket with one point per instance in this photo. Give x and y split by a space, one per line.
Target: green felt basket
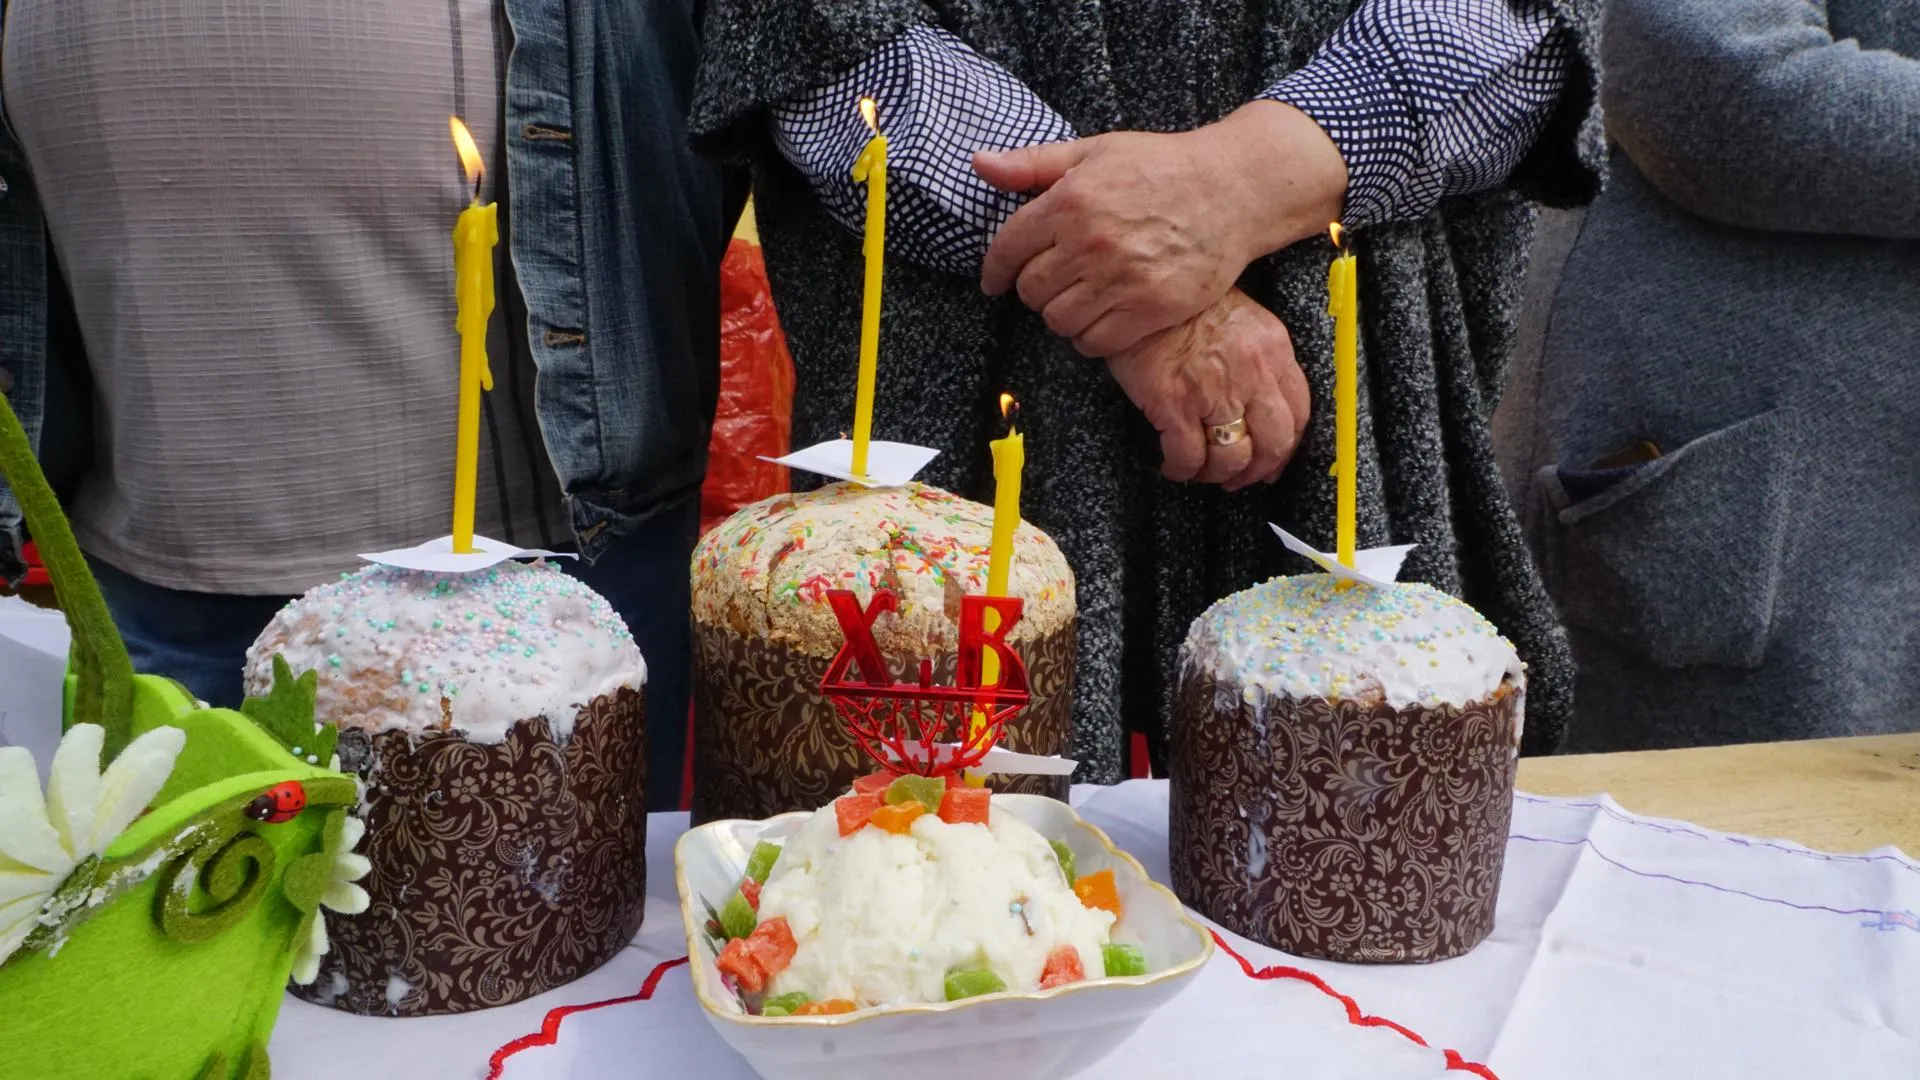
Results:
175 951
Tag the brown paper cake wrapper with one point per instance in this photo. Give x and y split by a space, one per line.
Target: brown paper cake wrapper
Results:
500 871
766 742
1340 830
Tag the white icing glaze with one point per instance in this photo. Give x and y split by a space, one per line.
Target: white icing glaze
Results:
1305 637
474 653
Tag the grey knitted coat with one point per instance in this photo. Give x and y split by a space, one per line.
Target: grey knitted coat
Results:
1438 303
1745 296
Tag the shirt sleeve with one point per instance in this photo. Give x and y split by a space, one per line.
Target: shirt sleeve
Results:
1430 98
938 102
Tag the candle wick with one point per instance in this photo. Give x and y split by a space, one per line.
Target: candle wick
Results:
479 177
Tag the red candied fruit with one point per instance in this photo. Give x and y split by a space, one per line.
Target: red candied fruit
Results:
873 782
854 811
750 890
754 960
965 806
1063 967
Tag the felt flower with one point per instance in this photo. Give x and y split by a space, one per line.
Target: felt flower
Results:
326 879
44 838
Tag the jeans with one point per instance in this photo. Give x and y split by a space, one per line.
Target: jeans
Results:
201 639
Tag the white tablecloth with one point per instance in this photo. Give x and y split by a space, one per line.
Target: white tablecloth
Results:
1626 949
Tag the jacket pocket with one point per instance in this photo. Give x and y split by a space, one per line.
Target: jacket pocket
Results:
1677 560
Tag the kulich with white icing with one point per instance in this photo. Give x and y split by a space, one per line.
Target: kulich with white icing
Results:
472 653
1304 637
765 571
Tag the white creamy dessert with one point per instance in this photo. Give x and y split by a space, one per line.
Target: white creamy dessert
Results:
882 918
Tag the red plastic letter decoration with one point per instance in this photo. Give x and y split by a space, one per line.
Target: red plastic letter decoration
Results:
918 727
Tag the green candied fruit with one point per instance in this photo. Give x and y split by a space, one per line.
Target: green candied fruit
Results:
760 863
1123 960
1065 854
972 982
737 917
784 1004
928 791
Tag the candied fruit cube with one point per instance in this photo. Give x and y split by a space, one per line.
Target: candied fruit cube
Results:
1063 967
738 961
925 790
1097 890
899 819
772 946
972 982
1065 854
737 918
829 1007
854 811
873 783
760 863
784 1004
1123 960
965 806
750 889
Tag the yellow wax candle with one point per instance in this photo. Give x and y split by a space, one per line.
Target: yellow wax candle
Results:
1009 459
474 238
870 167
1341 304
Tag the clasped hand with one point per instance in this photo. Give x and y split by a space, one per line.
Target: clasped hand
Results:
1132 249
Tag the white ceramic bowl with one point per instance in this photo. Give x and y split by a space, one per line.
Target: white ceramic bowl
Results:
1006 1036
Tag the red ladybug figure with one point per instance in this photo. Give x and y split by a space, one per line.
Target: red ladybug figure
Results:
281 802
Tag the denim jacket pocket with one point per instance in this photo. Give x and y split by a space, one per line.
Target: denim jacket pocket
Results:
1677 560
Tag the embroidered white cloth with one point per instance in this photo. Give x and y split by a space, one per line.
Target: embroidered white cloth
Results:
1626 948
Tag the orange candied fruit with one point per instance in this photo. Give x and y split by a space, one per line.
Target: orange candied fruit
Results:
829 1007
897 819
1063 967
965 805
1097 890
854 811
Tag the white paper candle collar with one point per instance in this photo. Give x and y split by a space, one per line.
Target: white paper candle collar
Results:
1005 762
889 464
1378 567
438 556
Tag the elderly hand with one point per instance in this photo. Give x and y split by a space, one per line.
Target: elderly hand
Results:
1136 233
1234 361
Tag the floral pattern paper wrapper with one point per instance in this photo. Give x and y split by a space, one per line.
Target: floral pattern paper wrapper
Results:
499 871
1340 830
766 742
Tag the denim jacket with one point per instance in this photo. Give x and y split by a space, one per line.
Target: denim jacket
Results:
616 230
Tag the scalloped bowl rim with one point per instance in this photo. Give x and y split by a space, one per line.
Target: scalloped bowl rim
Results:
692 924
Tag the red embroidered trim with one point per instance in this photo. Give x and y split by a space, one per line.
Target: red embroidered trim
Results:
550 1027
1455 1062
549 1031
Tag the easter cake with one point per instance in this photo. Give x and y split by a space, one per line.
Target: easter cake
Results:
494 719
1342 774
765 740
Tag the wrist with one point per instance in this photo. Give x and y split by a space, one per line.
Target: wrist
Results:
1284 170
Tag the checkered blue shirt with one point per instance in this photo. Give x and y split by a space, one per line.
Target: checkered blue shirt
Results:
1423 98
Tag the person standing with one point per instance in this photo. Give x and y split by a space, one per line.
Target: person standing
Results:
1180 241
226 282
1726 466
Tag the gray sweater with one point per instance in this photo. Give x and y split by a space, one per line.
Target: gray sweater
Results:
1745 296
1439 299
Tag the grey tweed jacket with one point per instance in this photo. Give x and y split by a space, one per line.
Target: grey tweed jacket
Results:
1439 299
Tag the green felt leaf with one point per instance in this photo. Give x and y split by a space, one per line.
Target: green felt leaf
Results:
254 1066
308 876
104 695
286 713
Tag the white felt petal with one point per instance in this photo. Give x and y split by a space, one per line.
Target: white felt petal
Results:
16 885
131 782
350 835
345 898
306 967
25 836
73 786
17 920
351 867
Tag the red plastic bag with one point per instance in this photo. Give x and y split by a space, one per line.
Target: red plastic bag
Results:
755 414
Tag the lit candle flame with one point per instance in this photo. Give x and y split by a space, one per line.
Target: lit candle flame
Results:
1339 236
1006 406
469 153
870 112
